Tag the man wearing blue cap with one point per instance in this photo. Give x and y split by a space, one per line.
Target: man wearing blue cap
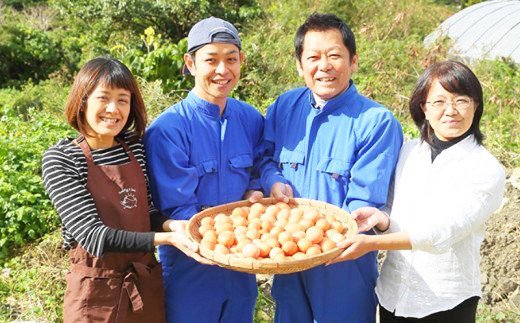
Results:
202 152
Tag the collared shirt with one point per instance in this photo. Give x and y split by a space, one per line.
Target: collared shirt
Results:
344 153
197 158
443 207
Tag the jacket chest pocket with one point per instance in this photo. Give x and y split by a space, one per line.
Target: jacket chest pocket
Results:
289 159
243 162
336 169
207 167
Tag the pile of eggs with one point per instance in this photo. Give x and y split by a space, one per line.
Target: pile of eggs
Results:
278 232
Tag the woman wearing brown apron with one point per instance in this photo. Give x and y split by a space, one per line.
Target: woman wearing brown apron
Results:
98 184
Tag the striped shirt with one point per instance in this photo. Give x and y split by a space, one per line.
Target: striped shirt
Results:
64 172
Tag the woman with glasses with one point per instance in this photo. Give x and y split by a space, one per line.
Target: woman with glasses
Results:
446 186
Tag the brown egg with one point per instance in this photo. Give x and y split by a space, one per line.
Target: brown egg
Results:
299 255
206 244
240 230
330 233
268 217
204 228
338 226
280 223
337 238
298 235
242 242
304 244
306 223
330 218
314 234
311 214
275 231
293 227
210 235
222 218
284 236
221 249
223 226
289 248
266 225
283 205
274 251
226 238
273 210
264 248
240 236
239 221
313 250
252 233
257 225
207 221
257 207
323 224
272 242
238 211
284 214
327 245
266 236
297 212
251 250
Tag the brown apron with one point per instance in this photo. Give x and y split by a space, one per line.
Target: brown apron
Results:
118 287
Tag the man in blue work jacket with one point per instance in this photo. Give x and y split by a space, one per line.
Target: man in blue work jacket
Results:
328 142
201 152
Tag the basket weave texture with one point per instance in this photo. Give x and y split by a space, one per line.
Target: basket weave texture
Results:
270 266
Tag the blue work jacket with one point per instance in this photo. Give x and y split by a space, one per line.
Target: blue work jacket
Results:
197 158
344 153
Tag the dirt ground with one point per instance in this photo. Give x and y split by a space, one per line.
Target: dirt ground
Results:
500 265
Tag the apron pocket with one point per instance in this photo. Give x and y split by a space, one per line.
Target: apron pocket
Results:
102 298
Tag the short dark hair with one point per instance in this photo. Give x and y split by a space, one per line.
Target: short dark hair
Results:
455 77
324 22
114 74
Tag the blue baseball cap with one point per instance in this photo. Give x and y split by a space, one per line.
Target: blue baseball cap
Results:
212 30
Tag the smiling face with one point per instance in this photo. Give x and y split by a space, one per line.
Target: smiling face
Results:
325 63
216 68
451 121
106 114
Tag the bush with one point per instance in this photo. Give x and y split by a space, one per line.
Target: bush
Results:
160 61
26 54
26 213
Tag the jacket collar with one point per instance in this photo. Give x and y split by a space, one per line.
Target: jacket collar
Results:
204 106
341 100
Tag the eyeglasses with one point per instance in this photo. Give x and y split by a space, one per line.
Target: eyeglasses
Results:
460 104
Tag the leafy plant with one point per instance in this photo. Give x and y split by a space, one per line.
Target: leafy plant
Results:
25 211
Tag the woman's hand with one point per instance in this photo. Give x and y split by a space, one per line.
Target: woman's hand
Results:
355 247
369 217
253 196
178 238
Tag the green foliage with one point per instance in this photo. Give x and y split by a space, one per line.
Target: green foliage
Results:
160 60
108 23
27 53
49 95
25 211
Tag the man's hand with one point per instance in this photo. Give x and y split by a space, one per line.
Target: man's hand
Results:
369 217
282 192
253 196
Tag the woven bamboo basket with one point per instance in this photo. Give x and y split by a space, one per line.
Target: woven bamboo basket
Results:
270 266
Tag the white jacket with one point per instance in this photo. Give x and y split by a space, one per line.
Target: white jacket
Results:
443 207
